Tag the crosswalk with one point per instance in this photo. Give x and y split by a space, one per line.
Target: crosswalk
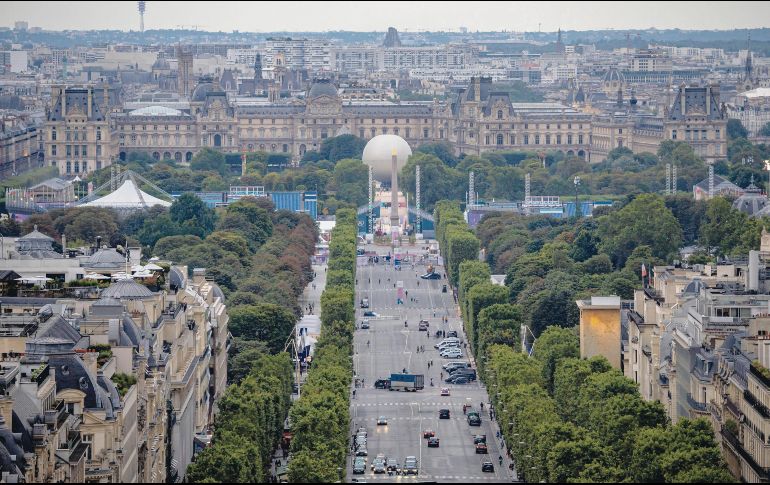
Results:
421 477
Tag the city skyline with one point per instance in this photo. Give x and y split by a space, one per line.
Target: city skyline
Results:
407 16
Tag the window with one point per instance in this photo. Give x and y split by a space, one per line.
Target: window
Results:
558 139
384 131
499 114
425 133
526 126
98 134
53 150
69 135
580 139
285 148
395 131
98 150
360 133
526 139
53 135
499 139
69 166
77 151
547 139
569 139
513 139
673 134
718 135
486 140
77 166
537 139
441 133
76 134
408 130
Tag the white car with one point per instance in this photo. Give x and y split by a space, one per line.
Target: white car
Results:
446 341
451 354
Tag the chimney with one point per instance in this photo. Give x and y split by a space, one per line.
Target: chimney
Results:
199 276
135 256
754 270
113 331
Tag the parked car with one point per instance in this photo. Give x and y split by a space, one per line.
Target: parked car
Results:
481 448
451 353
433 442
451 333
450 366
457 380
488 467
443 414
448 339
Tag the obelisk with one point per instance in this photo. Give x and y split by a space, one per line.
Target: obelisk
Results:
394 192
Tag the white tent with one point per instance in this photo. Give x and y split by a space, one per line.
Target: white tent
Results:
127 196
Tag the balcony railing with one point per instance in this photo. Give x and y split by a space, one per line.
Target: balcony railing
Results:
698 406
754 402
759 375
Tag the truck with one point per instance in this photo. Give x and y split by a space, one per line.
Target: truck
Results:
407 382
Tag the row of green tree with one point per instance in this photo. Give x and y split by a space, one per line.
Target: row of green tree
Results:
248 425
321 417
567 419
456 240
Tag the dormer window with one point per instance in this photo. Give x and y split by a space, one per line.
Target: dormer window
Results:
499 114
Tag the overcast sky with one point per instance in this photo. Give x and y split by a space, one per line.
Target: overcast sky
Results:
378 16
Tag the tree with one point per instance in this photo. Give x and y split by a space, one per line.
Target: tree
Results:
765 130
735 129
231 459
729 230
341 147
209 159
192 215
553 345
265 321
644 221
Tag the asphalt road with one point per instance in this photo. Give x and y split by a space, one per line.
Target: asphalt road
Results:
392 348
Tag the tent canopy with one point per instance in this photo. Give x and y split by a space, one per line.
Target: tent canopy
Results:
127 196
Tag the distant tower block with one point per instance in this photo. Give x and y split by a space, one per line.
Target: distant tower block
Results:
141 7
391 38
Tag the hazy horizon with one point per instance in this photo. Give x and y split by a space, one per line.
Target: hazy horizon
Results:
405 16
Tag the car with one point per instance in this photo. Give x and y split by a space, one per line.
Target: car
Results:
379 459
443 414
488 467
382 421
359 467
360 252
369 313
365 325
481 448
451 354
362 451
469 373
447 340
431 276
444 391
479 438
410 466
380 467
423 325
433 442
365 303
382 384
448 345
392 465
452 333
450 366
457 380
428 433
361 429
360 440
474 420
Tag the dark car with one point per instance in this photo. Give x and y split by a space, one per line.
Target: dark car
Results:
392 465
359 467
410 466
433 442
465 372
443 414
452 333
481 448
479 438
461 379
488 467
370 314
431 276
428 433
382 384
474 420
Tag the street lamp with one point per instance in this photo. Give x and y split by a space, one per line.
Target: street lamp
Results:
576 181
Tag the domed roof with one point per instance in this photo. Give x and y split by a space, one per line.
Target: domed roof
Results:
36 235
614 75
155 111
322 87
106 258
126 290
161 63
752 201
378 154
694 286
200 92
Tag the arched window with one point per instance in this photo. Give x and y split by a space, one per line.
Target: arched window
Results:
499 114
156 155
188 156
